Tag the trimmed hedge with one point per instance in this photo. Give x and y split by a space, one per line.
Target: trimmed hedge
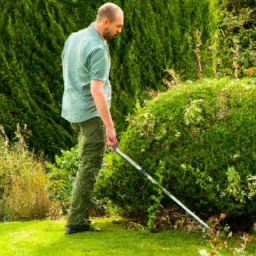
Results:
31 87
157 34
199 142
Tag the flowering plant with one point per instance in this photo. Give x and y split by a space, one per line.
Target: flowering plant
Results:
218 234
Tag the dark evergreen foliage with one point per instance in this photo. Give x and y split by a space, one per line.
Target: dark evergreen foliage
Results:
157 34
32 35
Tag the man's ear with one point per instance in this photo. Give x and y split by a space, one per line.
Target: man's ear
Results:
106 21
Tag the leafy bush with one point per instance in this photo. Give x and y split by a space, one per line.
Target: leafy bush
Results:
23 195
198 141
236 39
62 175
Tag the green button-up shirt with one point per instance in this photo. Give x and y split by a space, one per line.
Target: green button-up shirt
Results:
85 57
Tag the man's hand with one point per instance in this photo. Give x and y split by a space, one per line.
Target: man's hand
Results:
111 138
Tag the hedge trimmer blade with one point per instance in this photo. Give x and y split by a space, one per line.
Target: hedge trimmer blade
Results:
128 159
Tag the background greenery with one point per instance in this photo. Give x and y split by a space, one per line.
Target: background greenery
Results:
235 39
197 139
23 194
157 34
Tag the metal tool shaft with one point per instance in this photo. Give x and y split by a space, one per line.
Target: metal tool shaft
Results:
128 159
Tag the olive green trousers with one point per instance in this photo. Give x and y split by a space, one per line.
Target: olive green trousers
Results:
91 148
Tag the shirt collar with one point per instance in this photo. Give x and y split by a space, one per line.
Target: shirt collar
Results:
95 32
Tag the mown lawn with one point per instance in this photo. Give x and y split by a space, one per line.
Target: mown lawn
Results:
47 238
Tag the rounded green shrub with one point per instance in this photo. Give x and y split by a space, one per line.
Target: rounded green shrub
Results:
198 141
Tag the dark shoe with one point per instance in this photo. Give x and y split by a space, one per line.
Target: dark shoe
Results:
70 230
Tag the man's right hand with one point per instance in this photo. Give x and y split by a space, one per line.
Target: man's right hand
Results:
111 138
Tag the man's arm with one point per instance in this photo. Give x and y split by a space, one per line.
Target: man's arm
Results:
102 107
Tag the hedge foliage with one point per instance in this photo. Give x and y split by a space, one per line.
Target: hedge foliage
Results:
236 39
33 33
157 34
199 142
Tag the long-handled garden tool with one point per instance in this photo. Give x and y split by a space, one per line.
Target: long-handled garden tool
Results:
155 182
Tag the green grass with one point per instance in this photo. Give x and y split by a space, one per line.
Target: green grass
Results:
47 238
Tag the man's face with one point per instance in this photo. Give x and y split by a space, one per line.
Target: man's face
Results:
113 28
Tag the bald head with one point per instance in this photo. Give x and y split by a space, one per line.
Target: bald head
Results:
110 21
108 11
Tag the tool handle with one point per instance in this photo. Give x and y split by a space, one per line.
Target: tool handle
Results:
128 159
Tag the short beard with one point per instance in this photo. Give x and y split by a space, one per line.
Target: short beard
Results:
107 35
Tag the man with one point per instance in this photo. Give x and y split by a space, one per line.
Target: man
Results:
86 104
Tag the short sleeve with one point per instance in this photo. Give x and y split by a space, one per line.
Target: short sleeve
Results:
98 65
